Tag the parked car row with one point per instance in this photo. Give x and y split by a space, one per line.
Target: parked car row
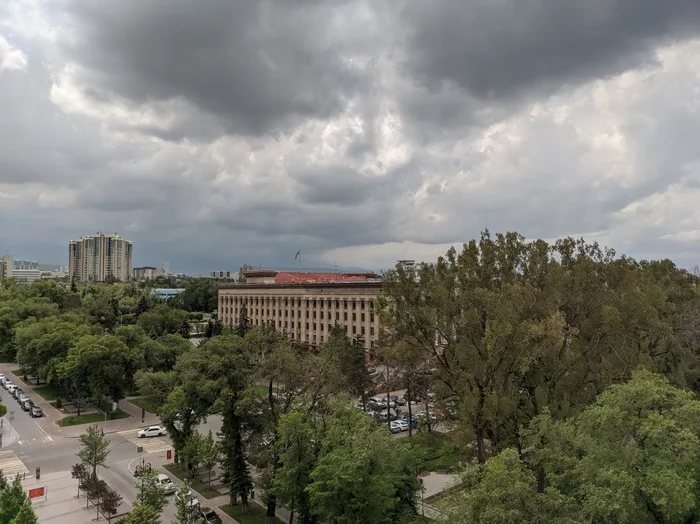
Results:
21 397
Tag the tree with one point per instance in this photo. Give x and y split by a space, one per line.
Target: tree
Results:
349 359
209 454
3 409
504 491
94 450
185 329
183 510
244 324
298 458
142 306
100 366
161 320
80 473
361 475
15 507
151 492
141 514
110 502
192 452
629 457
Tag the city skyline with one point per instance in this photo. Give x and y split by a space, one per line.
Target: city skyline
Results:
359 132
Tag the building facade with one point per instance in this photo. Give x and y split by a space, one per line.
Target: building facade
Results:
26 275
147 273
100 258
26 264
306 306
228 275
6 266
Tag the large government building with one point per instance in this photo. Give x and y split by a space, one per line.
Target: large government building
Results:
306 305
100 258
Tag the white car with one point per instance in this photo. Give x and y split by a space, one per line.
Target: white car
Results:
193 501
167 484
395 427
152 431
11 387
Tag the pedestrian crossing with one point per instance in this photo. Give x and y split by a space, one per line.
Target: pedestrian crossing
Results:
149 444
32 441
11 465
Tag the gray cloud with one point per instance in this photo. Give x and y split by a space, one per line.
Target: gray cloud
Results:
255 66
495 49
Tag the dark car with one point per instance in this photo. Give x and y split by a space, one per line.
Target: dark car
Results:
36 412
27 405
209 516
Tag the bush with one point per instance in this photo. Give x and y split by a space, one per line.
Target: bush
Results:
59 404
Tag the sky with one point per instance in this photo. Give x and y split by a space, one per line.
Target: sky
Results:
215 133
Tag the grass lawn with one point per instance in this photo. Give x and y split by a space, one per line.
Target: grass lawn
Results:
200 487
148 403
255 515
91 418
436 449
46 392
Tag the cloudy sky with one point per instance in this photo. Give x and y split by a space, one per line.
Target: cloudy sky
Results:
214 133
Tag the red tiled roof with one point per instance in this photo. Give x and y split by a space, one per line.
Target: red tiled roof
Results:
302 278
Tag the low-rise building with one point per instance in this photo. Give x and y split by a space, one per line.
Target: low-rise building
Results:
167 293
147 273
26 275
306 306
228 275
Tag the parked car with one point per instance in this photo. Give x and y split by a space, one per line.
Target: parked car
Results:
27 405
153 431
22 397
11 387
36 412
414 422
401 401
209 516
168 486
2 377
395 427
16 392
6 382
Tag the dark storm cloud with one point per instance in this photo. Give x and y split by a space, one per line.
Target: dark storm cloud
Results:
257 66
496 48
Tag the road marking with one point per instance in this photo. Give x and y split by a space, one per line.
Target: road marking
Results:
11 465
35 441
149 444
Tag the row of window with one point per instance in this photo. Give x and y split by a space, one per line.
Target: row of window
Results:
297 314
274 301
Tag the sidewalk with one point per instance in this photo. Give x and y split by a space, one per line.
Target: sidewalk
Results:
9 435
47 423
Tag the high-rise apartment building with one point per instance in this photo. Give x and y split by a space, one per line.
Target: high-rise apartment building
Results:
100 258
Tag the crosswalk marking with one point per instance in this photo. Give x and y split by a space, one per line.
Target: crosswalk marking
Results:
30 442
11 465
150 444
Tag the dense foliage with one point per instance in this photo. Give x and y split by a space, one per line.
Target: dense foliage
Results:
522 339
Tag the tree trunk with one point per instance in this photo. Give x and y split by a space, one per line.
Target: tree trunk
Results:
428 420
541 480
388 404
480 445
291 511
410 411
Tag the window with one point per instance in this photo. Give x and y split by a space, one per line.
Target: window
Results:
363 317
354 317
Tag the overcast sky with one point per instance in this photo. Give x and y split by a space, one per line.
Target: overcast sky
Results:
215 133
